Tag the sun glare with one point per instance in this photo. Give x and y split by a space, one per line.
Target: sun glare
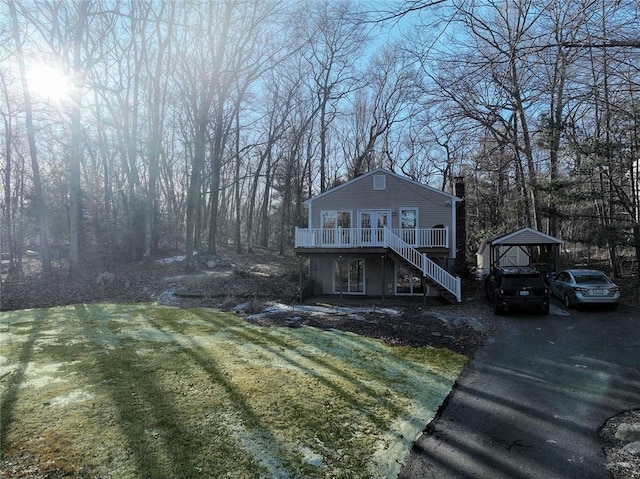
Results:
48 82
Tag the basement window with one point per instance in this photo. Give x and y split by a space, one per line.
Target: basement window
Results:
379 182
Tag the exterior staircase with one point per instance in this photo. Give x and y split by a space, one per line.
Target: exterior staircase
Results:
447 284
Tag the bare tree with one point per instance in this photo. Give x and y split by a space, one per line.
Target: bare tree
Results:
12 236
41 206
336 36
75 195
163 30
384 102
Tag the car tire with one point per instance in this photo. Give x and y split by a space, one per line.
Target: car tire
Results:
567 301
498 308
545 310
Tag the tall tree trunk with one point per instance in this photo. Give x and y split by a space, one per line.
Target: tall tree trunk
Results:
531 196
41 205
323 143
521 182
193 193
155 145
75 194
556 125
253 193
108 187
285 221
264 221
220 128
238 223
610 210
216 166
8 202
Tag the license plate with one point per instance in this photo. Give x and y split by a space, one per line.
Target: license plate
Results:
524 293
597 292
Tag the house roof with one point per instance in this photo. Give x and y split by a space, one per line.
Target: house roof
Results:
449 196
521 237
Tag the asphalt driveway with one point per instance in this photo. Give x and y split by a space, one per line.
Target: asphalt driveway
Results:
531 402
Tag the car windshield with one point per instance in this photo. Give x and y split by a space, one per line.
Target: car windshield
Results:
520 280
591 278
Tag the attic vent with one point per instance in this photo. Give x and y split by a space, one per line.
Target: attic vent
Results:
379 182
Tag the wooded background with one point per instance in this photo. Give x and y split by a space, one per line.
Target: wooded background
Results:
189 125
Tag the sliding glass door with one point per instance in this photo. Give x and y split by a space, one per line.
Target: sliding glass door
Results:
349 275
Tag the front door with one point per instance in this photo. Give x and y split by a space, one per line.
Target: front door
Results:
372 224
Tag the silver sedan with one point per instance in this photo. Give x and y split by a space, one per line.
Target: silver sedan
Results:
585 286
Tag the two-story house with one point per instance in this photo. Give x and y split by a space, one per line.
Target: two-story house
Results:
382 234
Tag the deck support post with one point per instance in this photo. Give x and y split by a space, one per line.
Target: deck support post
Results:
383 260
340 276
424 292
300 278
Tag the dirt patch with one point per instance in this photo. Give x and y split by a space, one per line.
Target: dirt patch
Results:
404 324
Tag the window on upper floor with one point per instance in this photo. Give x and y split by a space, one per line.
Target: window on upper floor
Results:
328 219
335 219
408 218
379 182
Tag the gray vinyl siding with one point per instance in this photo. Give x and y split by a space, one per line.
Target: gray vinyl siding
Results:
322 272
323 275
359 195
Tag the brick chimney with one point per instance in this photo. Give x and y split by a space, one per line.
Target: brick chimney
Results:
461 228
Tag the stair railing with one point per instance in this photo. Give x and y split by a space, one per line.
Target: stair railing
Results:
428 267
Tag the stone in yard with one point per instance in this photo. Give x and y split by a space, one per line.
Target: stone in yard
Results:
628 432
632 448
105 278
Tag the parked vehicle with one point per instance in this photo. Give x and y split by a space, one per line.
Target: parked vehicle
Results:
517 287
585 286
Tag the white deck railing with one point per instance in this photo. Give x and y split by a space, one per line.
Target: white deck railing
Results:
364 237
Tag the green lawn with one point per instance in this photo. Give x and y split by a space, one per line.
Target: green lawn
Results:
147 391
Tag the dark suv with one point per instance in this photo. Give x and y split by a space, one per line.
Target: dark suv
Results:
517 287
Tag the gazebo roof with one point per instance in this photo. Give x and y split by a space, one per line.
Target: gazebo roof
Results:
521 237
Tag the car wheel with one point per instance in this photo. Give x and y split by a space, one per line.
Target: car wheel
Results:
545 309
498 308
567 301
